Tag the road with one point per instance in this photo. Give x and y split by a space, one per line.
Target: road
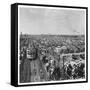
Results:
38 72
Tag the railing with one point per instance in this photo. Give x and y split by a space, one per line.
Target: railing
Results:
69 54
62 64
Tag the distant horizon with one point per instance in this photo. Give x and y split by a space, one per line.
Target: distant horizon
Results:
54 34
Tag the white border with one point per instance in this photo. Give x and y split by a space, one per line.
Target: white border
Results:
62 81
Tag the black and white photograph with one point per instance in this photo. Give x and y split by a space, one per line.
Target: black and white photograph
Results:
51 44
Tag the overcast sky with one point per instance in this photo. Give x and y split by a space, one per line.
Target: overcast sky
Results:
51 21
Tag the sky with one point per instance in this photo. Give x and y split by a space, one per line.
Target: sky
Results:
46 20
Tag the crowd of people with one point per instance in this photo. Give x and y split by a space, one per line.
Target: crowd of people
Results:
49 54
74 71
